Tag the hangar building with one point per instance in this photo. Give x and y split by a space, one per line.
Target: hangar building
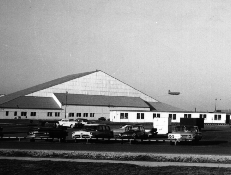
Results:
87 95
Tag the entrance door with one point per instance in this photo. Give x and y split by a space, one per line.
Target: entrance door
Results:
227 119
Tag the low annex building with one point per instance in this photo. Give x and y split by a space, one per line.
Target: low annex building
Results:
89 95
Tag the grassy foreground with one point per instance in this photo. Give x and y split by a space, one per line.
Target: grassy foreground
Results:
24 167
122 156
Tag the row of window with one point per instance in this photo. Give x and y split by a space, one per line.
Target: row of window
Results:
50 114
79 114
57 114
122 115
138 115
172 116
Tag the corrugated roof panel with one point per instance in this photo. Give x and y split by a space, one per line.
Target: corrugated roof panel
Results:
42 86
162 107
30 102
100 100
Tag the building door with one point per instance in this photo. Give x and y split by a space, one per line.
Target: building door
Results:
227 119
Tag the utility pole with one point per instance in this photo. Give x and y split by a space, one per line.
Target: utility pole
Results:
216 104
66 105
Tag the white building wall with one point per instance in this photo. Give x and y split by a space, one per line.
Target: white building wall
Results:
97 83
40 114
97 111
132 116
210 117
148 116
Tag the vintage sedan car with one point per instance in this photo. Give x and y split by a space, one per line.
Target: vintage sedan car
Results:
134 132
93 131
121 129
68 123
185 133
151 133
47 130
102 119
82 121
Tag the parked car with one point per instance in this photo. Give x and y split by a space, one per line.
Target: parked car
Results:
134 132
151 133
68 122
102 119
93 131
47 130
121 129
185 133
82 120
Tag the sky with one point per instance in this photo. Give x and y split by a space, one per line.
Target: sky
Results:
151 45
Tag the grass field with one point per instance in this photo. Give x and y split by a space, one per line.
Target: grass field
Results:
12 167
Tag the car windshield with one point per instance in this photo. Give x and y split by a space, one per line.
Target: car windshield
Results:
185 129
135 128
90 128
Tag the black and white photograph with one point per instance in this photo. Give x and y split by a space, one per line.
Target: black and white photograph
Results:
94 87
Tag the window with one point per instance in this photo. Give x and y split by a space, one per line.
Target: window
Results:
57 114
140 116
23 113
78 114
103 128
219 117
100 128
85 115
203 116
7 113
154 115
49 114
174 116
187 115
107 128
15 113
33 114
71 115
92 114
123 115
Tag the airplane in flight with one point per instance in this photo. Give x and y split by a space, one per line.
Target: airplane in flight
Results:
173 93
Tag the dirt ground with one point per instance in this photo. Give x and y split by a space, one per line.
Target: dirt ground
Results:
13 167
